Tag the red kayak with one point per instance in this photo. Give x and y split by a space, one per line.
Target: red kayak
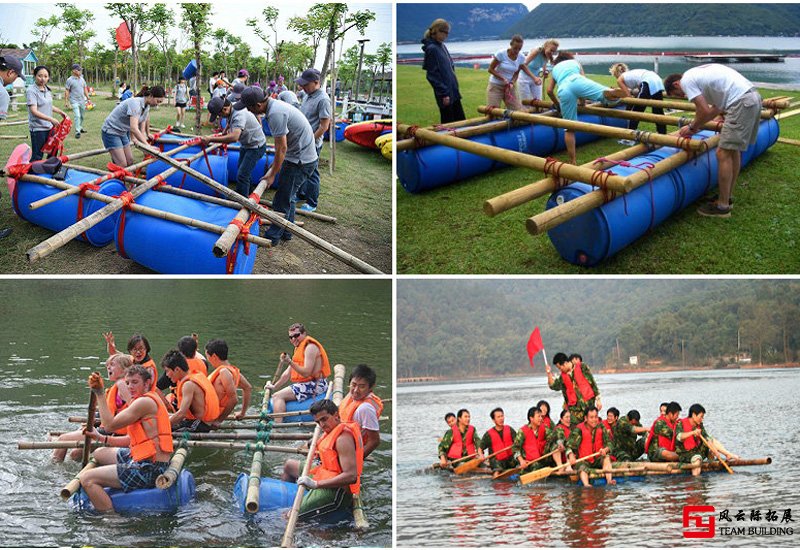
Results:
365 133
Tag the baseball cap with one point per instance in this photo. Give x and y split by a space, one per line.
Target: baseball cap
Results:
238 88
12 63
309 75
215 108
250 96
76 66
243 72
289 97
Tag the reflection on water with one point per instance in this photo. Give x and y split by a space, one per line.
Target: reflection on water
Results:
50 339
438 510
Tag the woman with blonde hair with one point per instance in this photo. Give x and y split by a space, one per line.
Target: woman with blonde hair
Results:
536 60
649 85
440 72
503 71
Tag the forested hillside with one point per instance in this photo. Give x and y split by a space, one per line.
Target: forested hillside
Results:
465 328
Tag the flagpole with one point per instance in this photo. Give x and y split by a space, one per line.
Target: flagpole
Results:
544 354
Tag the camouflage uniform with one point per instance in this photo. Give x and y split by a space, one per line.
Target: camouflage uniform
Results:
661 428
494 464
578 410
519 444
627 446
701 450
574 443
447 442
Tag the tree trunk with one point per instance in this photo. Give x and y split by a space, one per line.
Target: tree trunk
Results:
114 88
383 82
329 48
198 112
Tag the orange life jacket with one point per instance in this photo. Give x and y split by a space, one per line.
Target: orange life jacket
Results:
151 365
235 373
111 399
457 448
690 442
142 447
197 365
583 386
663 442
588 444
329 459
533 447
299 357
348 406
209 396
501 442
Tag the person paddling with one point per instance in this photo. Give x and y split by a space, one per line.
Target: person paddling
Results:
690 434
460 441
660 442
589 437
497 438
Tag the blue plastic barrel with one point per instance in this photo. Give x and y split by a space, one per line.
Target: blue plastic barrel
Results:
257 173
340 126
265 127
190 70
304 405
219 172
600 233
169 247
144 501
436 165
59 215
273 494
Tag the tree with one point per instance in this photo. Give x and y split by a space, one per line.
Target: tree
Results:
196 17
270 15
384 57
139 21
76 23
338 21
313 26
42 29
162 19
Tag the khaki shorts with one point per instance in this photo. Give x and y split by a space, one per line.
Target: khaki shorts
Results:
742 120
495 96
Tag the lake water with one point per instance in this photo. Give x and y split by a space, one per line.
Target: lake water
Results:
594 63
50 340
752 412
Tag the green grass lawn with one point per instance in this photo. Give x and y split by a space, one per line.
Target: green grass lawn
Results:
446 231
358 194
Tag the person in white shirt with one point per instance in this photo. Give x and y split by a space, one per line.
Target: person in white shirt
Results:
503 72
649 85
719 91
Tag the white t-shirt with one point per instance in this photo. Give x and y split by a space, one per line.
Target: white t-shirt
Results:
506 66
635 77
719 85
367 417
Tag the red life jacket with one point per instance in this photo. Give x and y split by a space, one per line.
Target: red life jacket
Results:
583 386
567 431
457 448
499 442
609 428
664 442
690 442
547 423
589 446
533 447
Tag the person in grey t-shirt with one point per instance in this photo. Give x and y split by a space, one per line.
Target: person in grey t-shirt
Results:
244 127
39 99
317 109
10 69
131 118
295 153
76 92
181 100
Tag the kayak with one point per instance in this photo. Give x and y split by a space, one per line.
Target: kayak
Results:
365 133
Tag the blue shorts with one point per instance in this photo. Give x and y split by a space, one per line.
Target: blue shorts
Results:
137 475
312 388
576 87
113 141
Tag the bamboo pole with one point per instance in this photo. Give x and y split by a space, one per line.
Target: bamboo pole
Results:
288 534
597 129
105 176
781 116
648 117
13 123
615 183
70 488
233 231
554 217
463 132
139 209
37 445
666 104
315 215
63 237
310 238
165 480
254 480
789 141
246 417
13 137
230 147
212 436
87 451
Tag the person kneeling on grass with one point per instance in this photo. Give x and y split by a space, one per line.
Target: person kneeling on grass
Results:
145 451
336 478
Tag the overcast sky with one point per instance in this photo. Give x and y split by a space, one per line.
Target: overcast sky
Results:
16 22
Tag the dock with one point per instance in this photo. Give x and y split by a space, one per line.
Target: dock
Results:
736 58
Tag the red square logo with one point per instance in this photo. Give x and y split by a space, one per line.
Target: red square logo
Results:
698 525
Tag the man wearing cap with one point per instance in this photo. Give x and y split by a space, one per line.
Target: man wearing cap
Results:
316 108
236 92
242 77
10 70
76 92
291 98
244 127
295 152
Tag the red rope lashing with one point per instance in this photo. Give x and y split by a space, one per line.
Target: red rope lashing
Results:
160 182
127 200
600 179
244 231
552 167
254 197
88 186
193 141
208 163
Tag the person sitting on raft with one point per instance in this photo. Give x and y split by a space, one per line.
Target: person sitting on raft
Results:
573 86
629 437
117 396
691 449
337 478
308 371
544 406
460 441
226 379
499 439
196 400
530 441
589 437
612 416
649 85
139 348
130 120
146 449
187 345
557 439
576 383
662 448
363 407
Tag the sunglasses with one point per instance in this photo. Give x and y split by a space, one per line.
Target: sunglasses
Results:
295 335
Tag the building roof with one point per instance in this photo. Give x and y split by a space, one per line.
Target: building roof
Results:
24 54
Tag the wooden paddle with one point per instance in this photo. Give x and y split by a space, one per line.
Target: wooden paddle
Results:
472 464
545 472
517 470
716 454
87 447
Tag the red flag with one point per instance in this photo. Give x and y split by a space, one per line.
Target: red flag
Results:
535 344
124 36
